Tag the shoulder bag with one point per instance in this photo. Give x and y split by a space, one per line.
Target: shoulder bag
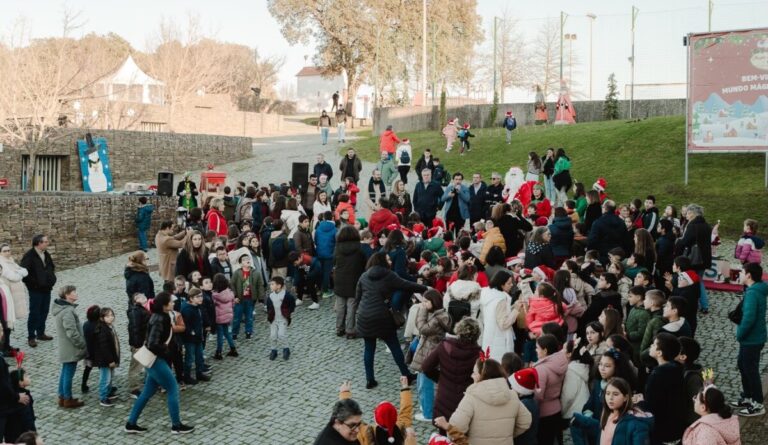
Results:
145 356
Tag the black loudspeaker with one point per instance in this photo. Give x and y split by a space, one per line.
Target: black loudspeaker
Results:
165 184
300 174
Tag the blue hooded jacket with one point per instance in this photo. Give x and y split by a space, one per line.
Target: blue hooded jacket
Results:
144 216
325 239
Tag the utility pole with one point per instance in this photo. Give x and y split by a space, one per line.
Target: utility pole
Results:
710 7
494 55
424 53
592 18
635 11
563 18
376 72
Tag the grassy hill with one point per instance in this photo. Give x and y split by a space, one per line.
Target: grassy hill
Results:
636 159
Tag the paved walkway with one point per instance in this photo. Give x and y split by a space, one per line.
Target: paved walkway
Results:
253 400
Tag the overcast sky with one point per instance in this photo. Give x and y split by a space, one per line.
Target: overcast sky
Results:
660 27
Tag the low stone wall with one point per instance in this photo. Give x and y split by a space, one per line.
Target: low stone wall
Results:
83 227
134 156
426 118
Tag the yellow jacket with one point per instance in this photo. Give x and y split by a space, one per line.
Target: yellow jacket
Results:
492 238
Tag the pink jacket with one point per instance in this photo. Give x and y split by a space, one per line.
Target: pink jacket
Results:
551 369
541 311
713 430
749 249
225 306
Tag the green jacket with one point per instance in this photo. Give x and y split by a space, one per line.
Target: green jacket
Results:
388 172
581 208
435 245
752 330
637 320
254 280
651 329
69 332
562 165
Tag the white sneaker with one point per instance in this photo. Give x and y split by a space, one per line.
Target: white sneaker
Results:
299 302
447 150
420 417
754 409
314 306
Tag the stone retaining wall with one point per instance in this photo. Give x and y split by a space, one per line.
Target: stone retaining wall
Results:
83 227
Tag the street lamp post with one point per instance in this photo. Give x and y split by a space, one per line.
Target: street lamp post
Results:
495 20
592 18
635 11
424 53
563 18
570 38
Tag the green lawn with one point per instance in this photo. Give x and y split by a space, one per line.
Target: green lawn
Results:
636 159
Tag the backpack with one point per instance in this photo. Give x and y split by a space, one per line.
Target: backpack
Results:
462 133
511 123
246 212
279 248
405 158
457 310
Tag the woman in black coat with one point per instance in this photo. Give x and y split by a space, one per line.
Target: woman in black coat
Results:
697 233
508 218
374 319
349 264
538 251
594 210
193 257
137 278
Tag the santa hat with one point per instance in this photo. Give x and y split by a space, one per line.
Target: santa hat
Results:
689 276
406 141
466 125
509 113
434 231
541 221
544 272
524 381
437 222
525 273
514 261
393 226
418 228
385 416
600 185
437 439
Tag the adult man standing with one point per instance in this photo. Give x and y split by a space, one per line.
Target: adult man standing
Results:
322 168
350 166
335 99
308 198
426 197
607 232
324 126
494 194
39 281
477 192
388 141
751 335
456 203
425 161
341 124
168 244
388 170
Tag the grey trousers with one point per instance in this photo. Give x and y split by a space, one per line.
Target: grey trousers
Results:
345 314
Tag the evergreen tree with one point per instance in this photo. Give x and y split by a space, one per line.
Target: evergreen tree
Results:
491 120
611 104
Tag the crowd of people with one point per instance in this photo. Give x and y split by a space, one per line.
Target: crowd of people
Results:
517 312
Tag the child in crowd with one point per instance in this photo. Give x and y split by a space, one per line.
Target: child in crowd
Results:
280 306
607 296
693 380
249 288
309 273
575 391
620 422
191 311
637 320
106 355
91 320
143 222
225 301
138 319
579 246
551 367
685 283
749 248
25 421
209 309
654 304
71 343
677 324
610 318
179 291
525 382
595 339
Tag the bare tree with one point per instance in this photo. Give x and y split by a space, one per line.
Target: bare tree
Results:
545 58
512 61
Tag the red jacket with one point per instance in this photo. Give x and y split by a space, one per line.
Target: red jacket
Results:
216 222
380 219
541 311
353 190
387 141
349 208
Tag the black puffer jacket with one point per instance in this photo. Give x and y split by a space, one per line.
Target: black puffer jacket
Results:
349 262
513 229
107 347
138 281
607 232
41 277
158 333
138 318
697 232
374 289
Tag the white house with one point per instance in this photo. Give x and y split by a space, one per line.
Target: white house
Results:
130 84
314 91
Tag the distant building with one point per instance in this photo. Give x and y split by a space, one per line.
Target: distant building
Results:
130 84
314 91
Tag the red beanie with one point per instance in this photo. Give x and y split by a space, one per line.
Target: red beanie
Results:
385 416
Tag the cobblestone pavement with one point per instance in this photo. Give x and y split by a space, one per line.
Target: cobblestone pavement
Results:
251 399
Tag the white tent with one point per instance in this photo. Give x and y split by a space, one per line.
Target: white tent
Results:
130 84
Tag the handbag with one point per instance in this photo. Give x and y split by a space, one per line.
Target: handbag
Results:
145 356
694 254
397 317
737 313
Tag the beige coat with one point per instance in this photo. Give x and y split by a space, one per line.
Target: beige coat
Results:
491 414
492 238
432 329
167 250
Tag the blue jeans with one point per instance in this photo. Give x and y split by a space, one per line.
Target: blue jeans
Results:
369 351
748 362
245 306
143 244
158 376
703 298
222 331
193 352
105 382
324 134
327 264
549 188
65 379
426 388
396 303
39 305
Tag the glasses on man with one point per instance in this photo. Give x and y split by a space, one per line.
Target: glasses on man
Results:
352 426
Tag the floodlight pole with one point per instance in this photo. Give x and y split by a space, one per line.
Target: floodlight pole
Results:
632 63
710 7
563 18
424 53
